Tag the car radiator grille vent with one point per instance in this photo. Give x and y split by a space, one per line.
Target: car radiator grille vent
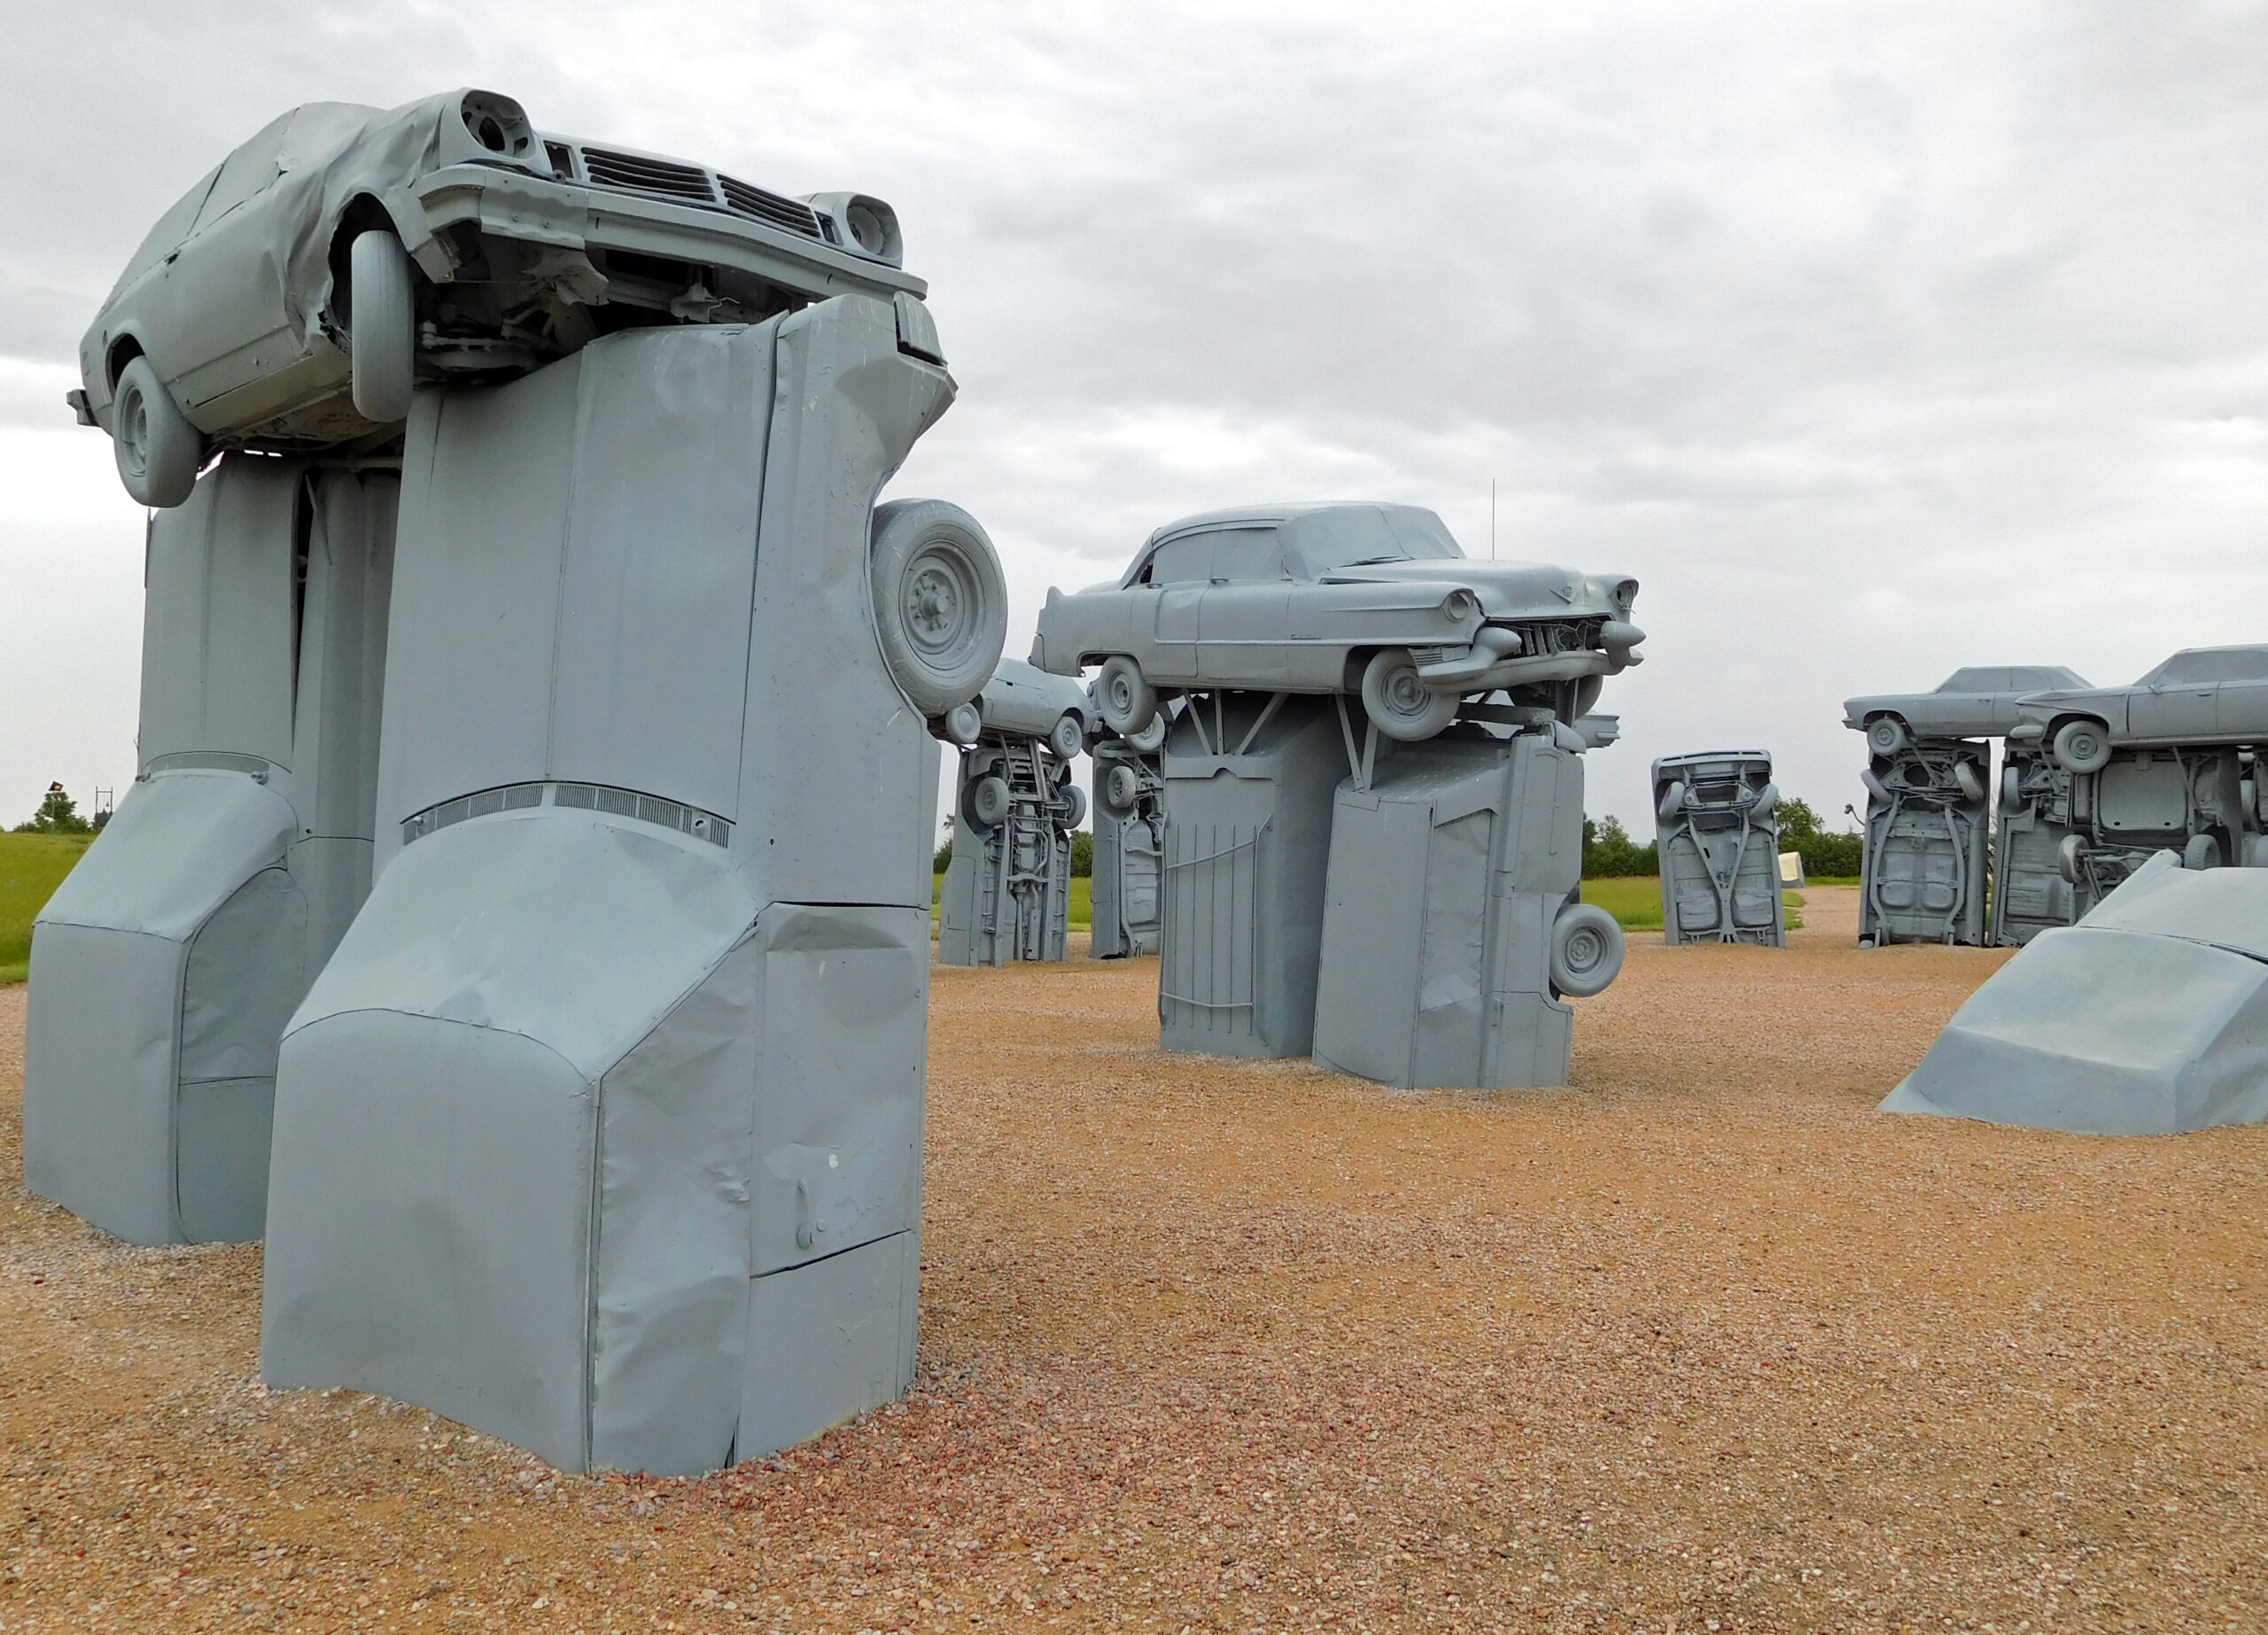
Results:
656 176
753 201
562 160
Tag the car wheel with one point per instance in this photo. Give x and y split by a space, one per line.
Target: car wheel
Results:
1123 693
1152 738
157 450
1972 787
1077 813
941 606
2202 852
988 802
1672 802
1877 791
1067 739
2082 745
2012 800
1886 735
382 339
1398 702
2070 855
1121 788
1768 800
963 725
1586 950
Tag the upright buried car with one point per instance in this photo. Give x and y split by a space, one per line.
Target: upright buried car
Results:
292 298
1335 599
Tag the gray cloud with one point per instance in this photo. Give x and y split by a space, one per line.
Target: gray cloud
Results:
1805 314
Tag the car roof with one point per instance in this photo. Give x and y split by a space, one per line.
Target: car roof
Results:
1269 515
2011 678
2199 665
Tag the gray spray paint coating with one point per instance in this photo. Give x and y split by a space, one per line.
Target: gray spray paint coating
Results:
1248 798
1007 894
1446 876
2149 1015
1719 842
165 967
1129 846
590 1102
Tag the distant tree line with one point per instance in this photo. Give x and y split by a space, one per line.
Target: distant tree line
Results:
58 814
1609 851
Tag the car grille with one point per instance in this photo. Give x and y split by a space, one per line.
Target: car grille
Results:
656 176
690 184
754 201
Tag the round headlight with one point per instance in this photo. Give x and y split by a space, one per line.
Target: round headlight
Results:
1460 605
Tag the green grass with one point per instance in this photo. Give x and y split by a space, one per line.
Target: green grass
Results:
1635 901
1082 909
31 867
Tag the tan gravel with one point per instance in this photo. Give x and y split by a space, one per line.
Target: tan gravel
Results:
1702 1343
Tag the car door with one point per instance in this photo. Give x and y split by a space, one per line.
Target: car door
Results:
227 323
2172 710
2240 703
1243 622
1181 571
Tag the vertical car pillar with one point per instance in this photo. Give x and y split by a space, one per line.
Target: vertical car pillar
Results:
1007 891
1249 784
602 1132
165 967
1450 927
1129 839
1719 842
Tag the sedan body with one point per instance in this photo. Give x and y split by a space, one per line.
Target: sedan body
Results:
1291 598
2200 695
1977 703
525 247
1023 699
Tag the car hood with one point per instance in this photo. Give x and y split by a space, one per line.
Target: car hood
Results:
1506 590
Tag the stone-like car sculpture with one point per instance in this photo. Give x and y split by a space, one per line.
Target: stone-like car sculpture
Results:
1979 701
1337 598
1023 700
2200 695
292 298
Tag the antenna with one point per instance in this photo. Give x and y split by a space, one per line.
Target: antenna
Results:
1492 519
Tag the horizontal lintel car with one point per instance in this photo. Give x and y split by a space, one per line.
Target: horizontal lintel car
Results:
291 298
1340 598
1979 701
2200 695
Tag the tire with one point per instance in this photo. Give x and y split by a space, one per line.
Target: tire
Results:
1877 791
1672 802
988 802
1067 739
1123 693
941 605
963 725
1886 735
1077 815
1152 738
1399 704
1586 950
1972 787
2012 800
157 450
2202 852
2082 745
2068 853
1121 788
382 332
1768 800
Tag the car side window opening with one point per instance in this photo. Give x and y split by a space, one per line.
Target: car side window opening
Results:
2200 667
1244 554
1185 560
244 173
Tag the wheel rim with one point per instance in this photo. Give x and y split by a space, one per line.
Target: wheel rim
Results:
134 430
1405 695
937 597
1586 951
1119 690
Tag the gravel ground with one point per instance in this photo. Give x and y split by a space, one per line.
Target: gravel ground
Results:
1702 1343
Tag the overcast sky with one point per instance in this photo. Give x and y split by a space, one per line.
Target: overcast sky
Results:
1873 340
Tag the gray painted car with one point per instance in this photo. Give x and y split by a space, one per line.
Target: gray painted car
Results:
292 297
1021 700
1337 599
2200 695
1977 703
